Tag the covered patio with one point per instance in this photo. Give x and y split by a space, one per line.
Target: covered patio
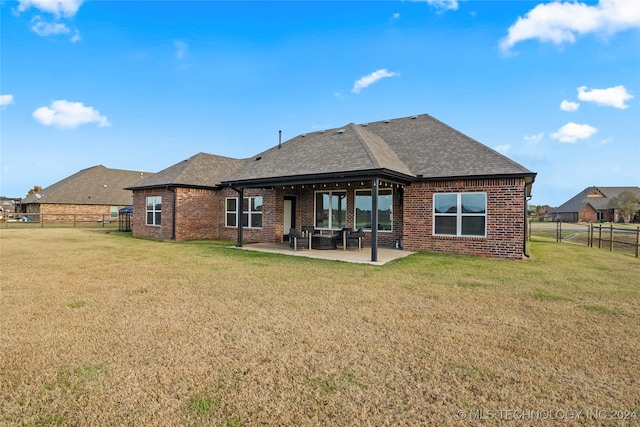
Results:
384 254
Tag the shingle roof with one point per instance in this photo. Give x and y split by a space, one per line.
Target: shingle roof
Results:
96 185
411 146
201 170
597 197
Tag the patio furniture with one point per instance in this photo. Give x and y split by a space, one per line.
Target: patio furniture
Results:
347 238
299 239
323 241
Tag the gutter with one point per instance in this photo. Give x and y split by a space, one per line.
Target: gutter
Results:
526 209
173 213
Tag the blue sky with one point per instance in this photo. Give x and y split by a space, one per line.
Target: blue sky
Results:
143 85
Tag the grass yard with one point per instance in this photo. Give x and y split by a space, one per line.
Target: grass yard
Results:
106 329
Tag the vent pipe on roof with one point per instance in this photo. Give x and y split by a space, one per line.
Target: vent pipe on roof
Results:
279 139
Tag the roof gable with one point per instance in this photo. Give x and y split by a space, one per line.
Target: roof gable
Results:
598 197
96 185
418 146
433 149
201 170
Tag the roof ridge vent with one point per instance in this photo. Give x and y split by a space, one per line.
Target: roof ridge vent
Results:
340 131
364 124
387 121
414 117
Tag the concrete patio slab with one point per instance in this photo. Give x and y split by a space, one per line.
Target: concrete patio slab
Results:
351 255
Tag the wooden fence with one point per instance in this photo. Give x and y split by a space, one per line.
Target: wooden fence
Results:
602 236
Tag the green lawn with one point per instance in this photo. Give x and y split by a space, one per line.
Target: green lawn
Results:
101 328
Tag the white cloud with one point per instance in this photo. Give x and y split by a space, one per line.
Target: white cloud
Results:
395 15
441 4
44 29
370 79
503 149
611 97
76 37
560 22
569 105
6 100
65 114
182 49
66 8
572 132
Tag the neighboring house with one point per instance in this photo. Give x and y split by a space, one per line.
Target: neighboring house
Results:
593 204
413 182
8 207
89 194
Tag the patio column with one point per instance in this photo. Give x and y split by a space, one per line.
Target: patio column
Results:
239 216
374 220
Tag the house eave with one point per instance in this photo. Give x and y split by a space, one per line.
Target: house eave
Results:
337 177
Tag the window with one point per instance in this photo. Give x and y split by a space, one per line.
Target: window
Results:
154 210
460 214
385 209
113 212
331 210
251 212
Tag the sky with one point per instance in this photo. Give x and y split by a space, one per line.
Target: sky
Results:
142 85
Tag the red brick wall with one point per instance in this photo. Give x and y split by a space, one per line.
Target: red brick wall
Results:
587 214
250 235
70 213
139 225
505 218
197 214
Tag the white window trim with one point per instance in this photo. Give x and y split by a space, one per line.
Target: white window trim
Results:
249 212
147 210
459 215
371 191
315 207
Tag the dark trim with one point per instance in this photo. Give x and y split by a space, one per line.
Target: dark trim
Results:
173 212
374 219
240 191
173 184
293 200
531 175
384 174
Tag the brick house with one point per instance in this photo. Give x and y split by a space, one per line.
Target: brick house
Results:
413 181
593 204
88 195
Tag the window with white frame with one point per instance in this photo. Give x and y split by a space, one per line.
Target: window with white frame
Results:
251 212
364 209
460 214
331 210
154 210
113 211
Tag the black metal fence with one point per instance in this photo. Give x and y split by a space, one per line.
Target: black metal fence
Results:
61 220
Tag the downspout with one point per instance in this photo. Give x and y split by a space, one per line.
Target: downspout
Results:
240 192
173 213
374 220
526 209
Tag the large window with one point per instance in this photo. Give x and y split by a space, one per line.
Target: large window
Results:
364 207
154 210
460 214
331 210
251 212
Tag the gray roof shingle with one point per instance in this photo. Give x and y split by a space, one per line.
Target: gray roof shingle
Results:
597 197
411 146
96 185
201 170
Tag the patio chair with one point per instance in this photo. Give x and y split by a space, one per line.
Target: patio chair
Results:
298 240
354 238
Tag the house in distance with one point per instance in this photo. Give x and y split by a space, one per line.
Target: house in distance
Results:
412 182
95 192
